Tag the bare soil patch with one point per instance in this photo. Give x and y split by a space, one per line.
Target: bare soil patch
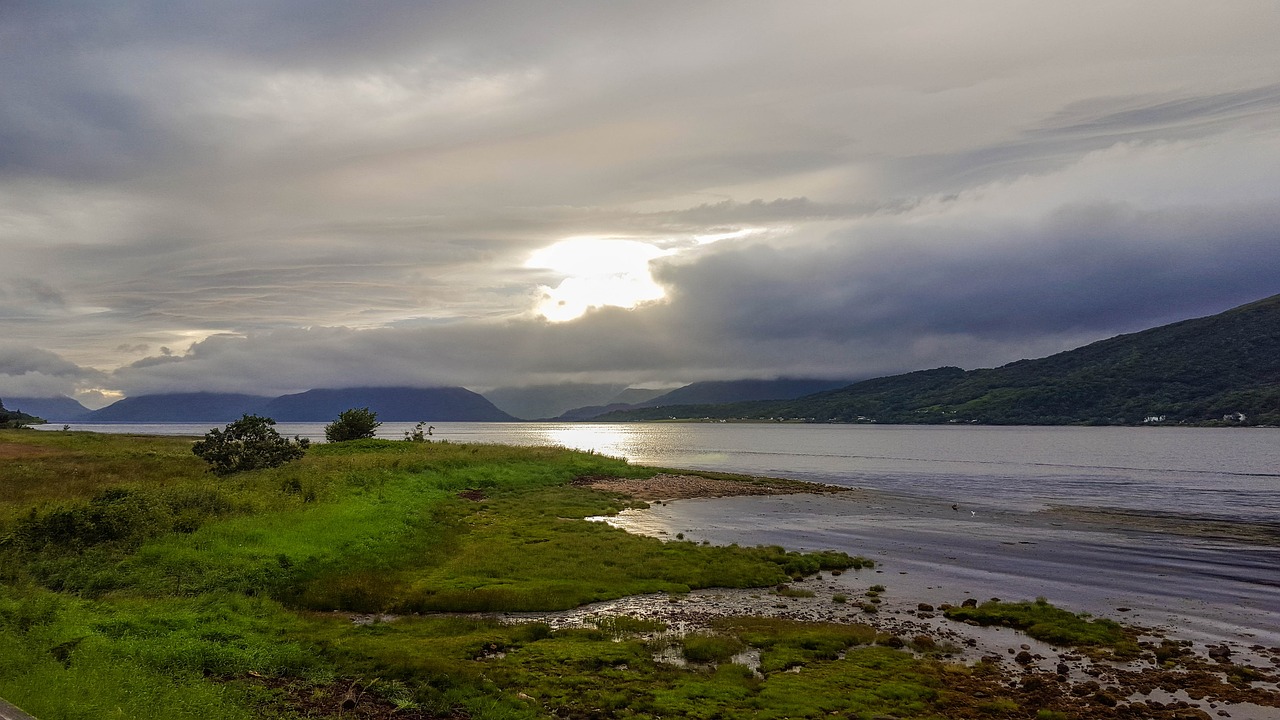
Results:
16 451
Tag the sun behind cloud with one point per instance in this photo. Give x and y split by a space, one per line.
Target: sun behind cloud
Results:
597 272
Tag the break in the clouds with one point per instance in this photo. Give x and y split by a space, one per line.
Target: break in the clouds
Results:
272 196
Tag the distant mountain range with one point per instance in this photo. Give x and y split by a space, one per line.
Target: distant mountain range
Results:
61 407
714 392
1221 369
400 404
537 402
177 407
394 404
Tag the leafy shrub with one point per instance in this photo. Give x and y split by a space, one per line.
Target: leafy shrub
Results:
353 424
118 516
248 444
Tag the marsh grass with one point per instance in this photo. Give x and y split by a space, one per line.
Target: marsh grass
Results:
791 592
785 644
711 647
43 467
1044 621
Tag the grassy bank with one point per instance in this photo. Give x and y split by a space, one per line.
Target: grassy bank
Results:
134 584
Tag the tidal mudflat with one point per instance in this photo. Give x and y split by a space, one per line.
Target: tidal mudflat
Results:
1207 585
1201 582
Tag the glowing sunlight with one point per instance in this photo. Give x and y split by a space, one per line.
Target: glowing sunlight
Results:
597 272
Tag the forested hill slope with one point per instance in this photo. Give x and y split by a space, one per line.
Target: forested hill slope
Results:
14 418
1195 371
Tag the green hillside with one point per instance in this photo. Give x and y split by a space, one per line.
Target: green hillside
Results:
14 418
1195 371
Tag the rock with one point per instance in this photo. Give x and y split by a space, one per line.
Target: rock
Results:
1024 658
1086 688
969 603
1063 669
1221 653
1105 698
924 607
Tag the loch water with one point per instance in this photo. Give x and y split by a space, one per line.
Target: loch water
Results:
1229 473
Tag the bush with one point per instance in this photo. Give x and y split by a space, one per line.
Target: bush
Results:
247 444
353 424
418 434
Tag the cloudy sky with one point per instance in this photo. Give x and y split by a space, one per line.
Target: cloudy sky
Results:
260 196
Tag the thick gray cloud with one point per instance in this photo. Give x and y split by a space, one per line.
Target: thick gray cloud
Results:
300 194
28 371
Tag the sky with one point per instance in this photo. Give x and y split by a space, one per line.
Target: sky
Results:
269 196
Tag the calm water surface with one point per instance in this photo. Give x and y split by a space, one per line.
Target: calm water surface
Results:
1230 473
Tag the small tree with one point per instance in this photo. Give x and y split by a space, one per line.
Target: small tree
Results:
418 434
353 424
248 444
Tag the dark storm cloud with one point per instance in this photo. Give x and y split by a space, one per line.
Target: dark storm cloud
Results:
1097 269
29 371
20 360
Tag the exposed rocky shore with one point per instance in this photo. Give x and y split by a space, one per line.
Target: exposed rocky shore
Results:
667 486
1227 678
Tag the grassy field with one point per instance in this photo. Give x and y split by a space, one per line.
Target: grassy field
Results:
134 584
